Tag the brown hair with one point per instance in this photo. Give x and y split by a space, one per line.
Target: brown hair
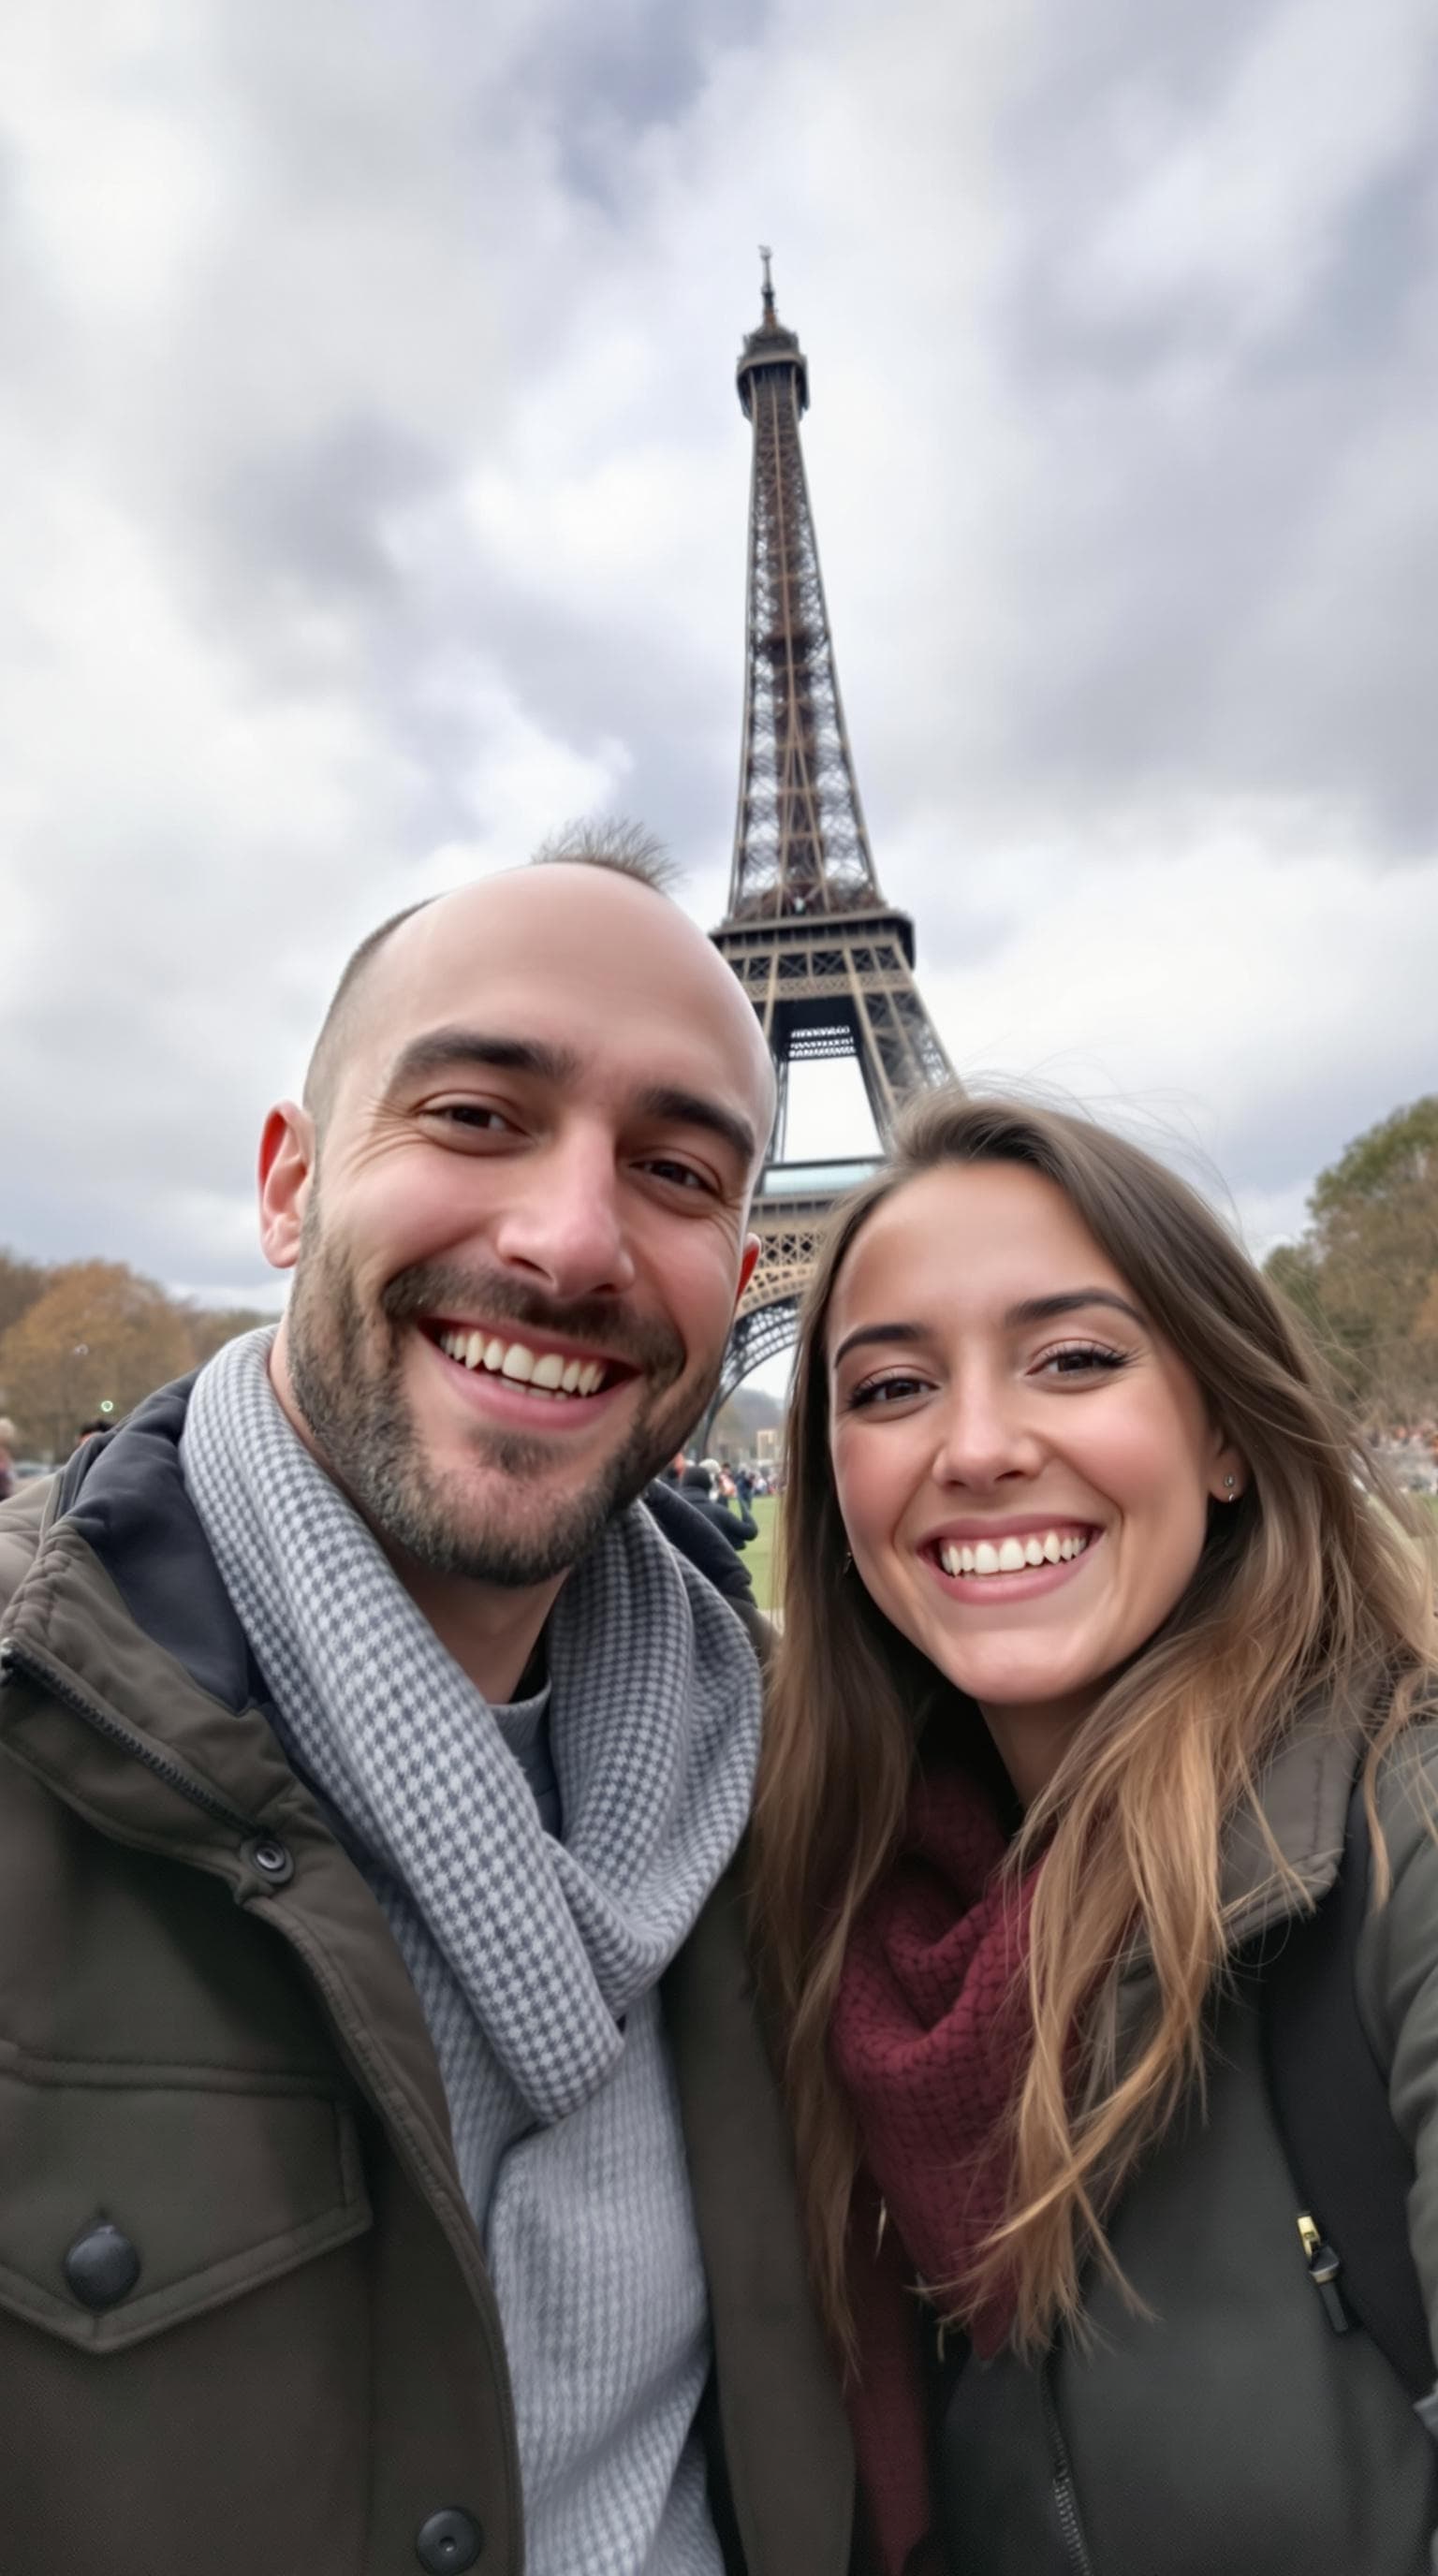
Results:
1315 1583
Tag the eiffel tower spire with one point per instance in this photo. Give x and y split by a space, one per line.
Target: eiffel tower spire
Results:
827 963
800 842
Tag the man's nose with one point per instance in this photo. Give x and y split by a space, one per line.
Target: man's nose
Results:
984 1435
563 1221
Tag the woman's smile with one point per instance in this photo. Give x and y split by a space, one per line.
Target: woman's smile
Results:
1015 1561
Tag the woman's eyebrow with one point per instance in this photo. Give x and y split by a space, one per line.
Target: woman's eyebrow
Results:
1068 1301
876 1333
1030 1310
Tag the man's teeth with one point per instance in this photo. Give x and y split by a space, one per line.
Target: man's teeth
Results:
545 1370
1012 1554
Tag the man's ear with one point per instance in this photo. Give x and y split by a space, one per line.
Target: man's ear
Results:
287 1163
752 1249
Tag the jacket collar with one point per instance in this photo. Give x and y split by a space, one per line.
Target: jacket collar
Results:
123 1497
129 1682
1303 1798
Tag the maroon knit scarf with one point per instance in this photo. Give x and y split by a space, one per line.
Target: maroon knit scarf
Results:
929 2039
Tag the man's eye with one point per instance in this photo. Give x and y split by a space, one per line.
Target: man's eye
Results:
472 1114
682 1175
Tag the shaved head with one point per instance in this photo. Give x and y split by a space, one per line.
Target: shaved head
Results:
550 882
619 850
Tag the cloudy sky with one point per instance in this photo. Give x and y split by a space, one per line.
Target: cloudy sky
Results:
372 499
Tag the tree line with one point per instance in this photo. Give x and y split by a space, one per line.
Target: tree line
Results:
1364 1274
83 1341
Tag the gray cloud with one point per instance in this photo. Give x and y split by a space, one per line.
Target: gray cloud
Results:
375 500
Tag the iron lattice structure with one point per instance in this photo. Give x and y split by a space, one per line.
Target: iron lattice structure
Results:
827 963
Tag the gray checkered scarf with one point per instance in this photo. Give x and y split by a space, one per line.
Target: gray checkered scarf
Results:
536 1962
655 1729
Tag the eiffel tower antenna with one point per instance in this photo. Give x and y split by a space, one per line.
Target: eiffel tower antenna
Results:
827 963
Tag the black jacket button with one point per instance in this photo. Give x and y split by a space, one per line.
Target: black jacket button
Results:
450 2540
267 1854
102 2266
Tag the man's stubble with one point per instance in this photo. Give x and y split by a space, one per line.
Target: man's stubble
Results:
355 1409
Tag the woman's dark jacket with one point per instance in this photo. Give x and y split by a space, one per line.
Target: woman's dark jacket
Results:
1231 2429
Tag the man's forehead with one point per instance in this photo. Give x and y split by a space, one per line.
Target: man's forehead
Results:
610 974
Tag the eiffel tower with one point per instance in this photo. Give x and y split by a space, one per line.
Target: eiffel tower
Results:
827 963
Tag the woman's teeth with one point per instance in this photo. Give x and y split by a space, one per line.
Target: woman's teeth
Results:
1012 1554
546 1373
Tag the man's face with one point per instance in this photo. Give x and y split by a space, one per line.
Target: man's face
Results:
518 1258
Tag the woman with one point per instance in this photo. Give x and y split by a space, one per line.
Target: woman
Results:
1093 1614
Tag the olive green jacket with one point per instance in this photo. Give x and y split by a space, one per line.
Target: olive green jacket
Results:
245 2320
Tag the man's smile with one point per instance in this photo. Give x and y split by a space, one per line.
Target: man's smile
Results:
543 1366
519 1384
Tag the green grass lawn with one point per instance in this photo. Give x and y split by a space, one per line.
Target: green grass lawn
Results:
759 1554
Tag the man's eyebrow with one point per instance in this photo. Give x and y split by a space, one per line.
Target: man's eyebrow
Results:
444 1050
694 1109
1030 1310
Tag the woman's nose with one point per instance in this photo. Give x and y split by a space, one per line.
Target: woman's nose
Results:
983 1437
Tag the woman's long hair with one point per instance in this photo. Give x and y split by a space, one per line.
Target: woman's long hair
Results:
1315 1585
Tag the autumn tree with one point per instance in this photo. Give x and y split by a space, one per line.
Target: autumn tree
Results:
21 1282
98 1336
1365 1272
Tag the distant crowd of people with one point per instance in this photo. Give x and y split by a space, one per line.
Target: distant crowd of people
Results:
722 1495
1410 1450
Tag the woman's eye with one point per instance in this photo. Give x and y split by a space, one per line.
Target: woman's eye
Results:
1083 1359
883 1390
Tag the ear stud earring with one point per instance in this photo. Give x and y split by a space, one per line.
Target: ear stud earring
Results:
1229 1483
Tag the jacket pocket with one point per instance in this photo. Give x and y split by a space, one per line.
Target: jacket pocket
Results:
131 2200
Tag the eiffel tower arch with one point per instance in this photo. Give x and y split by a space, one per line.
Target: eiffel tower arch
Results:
827 963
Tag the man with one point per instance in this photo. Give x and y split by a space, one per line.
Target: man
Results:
390 2175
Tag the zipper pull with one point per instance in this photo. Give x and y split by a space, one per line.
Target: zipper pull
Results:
1323 2270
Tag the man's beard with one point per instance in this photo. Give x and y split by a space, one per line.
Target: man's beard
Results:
356 1410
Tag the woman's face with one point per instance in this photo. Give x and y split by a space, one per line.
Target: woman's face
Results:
1023 1464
